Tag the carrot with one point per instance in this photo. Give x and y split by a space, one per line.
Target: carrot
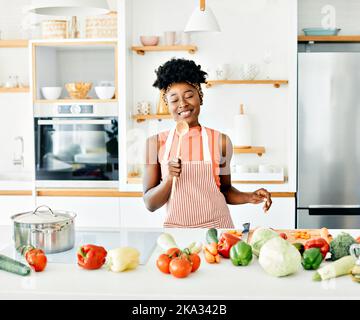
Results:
209 257
212 248
324 233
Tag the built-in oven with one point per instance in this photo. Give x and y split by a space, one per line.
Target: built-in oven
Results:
76 145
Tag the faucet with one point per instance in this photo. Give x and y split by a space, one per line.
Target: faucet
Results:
18 159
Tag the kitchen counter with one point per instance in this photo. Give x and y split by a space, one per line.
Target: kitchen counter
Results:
220 281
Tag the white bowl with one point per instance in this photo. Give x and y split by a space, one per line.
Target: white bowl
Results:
51 93
105 92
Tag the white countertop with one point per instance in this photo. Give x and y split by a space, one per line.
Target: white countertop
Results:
220 281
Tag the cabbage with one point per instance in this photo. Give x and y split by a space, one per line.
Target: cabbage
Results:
279 258
260 236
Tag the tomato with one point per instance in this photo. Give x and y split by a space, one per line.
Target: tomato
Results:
173 252
283 235
358 239
163 263
180 267
195 261
36 259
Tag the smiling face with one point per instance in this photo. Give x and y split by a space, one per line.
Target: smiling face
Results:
184 103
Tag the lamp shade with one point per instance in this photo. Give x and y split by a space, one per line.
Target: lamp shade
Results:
69 7
202 21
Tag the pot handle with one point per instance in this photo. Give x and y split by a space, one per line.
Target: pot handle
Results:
52 213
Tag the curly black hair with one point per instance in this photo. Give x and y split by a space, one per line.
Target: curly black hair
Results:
179 70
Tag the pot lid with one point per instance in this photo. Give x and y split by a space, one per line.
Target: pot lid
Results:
43 216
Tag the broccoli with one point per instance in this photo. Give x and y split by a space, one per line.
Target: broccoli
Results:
340 246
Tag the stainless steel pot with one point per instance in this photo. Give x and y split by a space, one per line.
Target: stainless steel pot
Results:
51 231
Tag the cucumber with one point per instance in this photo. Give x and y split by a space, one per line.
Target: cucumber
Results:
340 267
13 266
212 236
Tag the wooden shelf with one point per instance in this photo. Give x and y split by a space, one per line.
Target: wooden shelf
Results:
138 180
275 83
14 43
353 38
143 117
141 50
258 182
60 101
15 90
134 180
257 150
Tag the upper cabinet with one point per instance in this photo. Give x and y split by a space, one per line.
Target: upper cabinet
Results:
75 71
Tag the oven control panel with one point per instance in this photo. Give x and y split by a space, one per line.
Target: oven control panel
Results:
76 109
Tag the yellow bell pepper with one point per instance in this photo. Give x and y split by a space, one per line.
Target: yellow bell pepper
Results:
123 259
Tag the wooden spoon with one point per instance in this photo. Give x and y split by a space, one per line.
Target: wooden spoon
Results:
182 128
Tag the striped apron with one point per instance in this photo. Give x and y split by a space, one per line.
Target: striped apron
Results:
197 202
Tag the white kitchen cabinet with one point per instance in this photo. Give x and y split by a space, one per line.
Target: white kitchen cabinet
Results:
135 215
91 212
10 205
280 216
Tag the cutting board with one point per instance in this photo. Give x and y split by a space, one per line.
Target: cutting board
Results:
314 233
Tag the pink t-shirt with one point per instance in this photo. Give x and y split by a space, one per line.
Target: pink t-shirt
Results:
191 148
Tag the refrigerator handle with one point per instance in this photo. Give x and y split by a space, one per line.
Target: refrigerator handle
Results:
334 210
332 206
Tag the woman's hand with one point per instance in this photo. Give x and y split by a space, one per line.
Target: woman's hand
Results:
174 168
260 196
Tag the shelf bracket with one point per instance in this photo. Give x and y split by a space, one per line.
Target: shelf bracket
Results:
140 52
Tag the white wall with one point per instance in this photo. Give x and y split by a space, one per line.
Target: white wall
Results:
346 13
16 113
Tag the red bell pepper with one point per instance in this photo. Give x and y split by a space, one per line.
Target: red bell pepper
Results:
91 257
227 240
36 258
318 243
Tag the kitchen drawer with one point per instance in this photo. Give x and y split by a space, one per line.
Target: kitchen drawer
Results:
10 205
91 212
135 215
280 216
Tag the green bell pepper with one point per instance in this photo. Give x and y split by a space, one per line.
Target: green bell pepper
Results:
241 254
312 259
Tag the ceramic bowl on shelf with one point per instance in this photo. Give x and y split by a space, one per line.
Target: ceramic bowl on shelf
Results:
321 32
149 40
78 90
51 93
105 93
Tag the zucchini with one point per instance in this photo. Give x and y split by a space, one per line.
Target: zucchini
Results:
13 266
340 267
212 236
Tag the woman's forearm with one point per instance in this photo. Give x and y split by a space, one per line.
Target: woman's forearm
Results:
234 196
156 197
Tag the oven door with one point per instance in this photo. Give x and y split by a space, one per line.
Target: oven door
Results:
77 149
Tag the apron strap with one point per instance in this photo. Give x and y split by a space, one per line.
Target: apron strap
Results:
168 144
205 145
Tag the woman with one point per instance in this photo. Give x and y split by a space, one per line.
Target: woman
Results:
203 180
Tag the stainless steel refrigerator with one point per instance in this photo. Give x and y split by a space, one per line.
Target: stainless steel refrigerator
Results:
328 140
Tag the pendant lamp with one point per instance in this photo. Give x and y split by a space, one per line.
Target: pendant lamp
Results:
69 7
202 20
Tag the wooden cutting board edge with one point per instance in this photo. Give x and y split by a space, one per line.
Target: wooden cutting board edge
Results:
314 233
